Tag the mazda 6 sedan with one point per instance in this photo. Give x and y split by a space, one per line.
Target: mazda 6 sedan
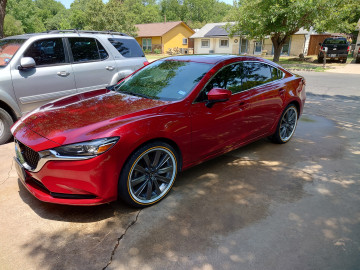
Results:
130 140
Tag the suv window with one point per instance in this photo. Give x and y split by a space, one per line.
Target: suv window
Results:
8 48
127 47
47 52
87 49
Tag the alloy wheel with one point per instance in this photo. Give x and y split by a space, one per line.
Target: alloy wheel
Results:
152 175
2 127
288 124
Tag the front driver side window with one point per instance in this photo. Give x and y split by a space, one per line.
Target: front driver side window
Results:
47 52
228 77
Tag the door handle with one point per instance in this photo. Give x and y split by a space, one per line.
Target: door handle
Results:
63 73
110 68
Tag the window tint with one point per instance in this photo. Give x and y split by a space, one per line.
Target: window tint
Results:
241 76
254 74
87 49
127 47
103 53
276 73
47 52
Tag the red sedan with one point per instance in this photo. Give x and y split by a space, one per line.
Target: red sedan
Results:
129 141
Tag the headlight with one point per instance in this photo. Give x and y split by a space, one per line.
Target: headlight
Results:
90 148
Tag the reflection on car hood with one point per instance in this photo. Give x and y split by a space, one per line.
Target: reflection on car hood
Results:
88 116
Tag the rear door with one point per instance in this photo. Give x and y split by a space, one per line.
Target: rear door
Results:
93 66
267 91
52 77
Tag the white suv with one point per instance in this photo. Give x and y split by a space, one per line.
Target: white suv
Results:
37 68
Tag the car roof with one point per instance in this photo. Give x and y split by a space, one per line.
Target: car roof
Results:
213 58
72 33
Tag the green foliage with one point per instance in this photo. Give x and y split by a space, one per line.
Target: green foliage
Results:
282 18
12 26
117 15
157 51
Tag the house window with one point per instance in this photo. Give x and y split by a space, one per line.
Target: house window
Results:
146 44
205 43
224 43
185 41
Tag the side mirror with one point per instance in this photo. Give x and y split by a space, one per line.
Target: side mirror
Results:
26 63
217 95
320 43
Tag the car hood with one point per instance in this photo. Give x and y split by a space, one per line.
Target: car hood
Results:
87 116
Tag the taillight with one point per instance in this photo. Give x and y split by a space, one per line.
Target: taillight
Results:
321 48
359 50
146 63
348 49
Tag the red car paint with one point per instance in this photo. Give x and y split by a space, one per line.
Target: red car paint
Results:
198 132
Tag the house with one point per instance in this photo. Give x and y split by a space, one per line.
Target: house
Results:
214 38
163 36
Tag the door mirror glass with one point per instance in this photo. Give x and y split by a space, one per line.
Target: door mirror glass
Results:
27 62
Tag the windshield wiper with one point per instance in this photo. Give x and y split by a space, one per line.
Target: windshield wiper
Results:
137 94
111 87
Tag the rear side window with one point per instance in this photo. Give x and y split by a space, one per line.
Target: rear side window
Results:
276 73
127 47
255 73
87 49
47 52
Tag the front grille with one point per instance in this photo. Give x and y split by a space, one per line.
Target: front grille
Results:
30 156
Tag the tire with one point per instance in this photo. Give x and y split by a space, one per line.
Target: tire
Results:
320 60
357 60
5 123
148 174
287 124
344 60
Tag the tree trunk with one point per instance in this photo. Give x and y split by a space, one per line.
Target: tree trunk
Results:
277 52
2 16
278 42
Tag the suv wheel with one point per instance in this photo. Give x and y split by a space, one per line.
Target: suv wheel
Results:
5 124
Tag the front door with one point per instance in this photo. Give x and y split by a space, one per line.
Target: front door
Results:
258 47
52 77
222 126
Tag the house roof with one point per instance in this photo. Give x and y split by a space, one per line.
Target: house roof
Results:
157 29
217 30
206 28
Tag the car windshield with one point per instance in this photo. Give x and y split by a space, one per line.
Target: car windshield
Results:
335 41
164 80
8 48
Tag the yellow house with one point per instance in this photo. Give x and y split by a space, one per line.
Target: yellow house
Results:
163 36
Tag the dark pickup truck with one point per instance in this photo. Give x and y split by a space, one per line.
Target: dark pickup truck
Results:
337 48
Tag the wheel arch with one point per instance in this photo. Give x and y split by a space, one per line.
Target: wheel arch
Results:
9 110
297 105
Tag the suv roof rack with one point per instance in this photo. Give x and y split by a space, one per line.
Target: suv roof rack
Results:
107 32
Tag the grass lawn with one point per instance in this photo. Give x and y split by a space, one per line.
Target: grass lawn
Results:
288 62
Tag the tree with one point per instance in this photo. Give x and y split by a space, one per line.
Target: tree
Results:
280 19
2 16
12 26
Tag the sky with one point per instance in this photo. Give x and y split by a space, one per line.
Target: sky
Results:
67 3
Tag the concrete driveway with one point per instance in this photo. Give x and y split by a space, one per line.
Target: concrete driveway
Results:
264 206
